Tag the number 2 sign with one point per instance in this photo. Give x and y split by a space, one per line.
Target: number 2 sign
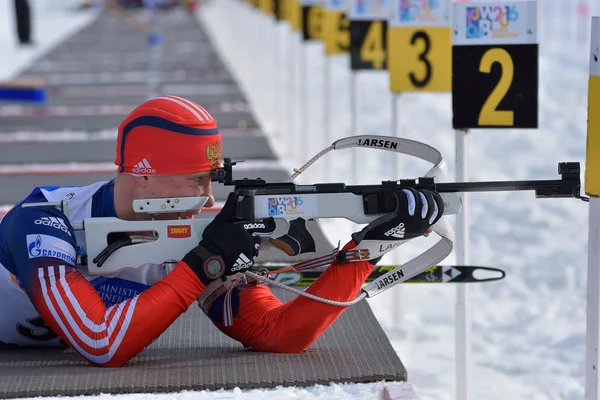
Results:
495 65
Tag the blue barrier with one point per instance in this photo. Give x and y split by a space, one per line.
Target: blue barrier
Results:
28 92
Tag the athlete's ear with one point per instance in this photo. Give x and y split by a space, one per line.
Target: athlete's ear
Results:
141 181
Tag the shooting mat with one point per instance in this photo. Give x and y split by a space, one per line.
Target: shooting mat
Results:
194 355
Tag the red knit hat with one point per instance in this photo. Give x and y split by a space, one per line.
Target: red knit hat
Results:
168 135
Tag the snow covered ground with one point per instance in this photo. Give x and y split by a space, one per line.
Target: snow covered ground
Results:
51 23
528 333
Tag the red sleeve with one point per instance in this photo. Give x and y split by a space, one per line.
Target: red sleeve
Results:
110 337
265 324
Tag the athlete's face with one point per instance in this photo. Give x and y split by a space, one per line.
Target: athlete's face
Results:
187 185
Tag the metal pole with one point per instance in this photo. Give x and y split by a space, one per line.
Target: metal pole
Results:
288 133
461 246
327 134
592 362
278 95
396 166
304 135
354 123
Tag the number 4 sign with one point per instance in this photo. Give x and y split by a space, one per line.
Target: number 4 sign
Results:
368 26
495 65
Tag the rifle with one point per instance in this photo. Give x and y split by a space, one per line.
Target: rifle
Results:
112 244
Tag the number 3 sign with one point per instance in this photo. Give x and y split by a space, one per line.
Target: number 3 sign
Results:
419 46
495 65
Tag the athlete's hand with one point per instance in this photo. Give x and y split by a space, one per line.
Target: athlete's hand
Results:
415 214
229 244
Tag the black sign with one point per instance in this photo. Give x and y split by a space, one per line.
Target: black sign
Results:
495 86
368 44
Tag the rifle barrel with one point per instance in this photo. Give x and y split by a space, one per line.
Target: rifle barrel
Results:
497 186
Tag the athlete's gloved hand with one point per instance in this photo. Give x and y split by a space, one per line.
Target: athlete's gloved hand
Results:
229 244
415 213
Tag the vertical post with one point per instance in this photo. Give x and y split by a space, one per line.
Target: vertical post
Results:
261 72
288 135
269 37
592 188
23 21
304 135
278 66
257 45
395 165
396 172
285 78
354 123
246 31
592 362
327 134
297 140
461 246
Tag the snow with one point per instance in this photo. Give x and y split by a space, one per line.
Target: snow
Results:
51 24
528 331
348 391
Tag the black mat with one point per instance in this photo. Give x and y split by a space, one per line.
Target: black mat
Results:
193 355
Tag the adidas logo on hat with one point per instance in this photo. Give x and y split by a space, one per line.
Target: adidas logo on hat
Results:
143 167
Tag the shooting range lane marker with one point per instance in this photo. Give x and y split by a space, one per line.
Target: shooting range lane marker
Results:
106 60
46 137
62 168
204 89
19 111
136 77
102 135
102 167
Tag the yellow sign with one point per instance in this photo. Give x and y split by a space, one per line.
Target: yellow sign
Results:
284 10
295 14
313 24
592 156
267 6
336 32
420 59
